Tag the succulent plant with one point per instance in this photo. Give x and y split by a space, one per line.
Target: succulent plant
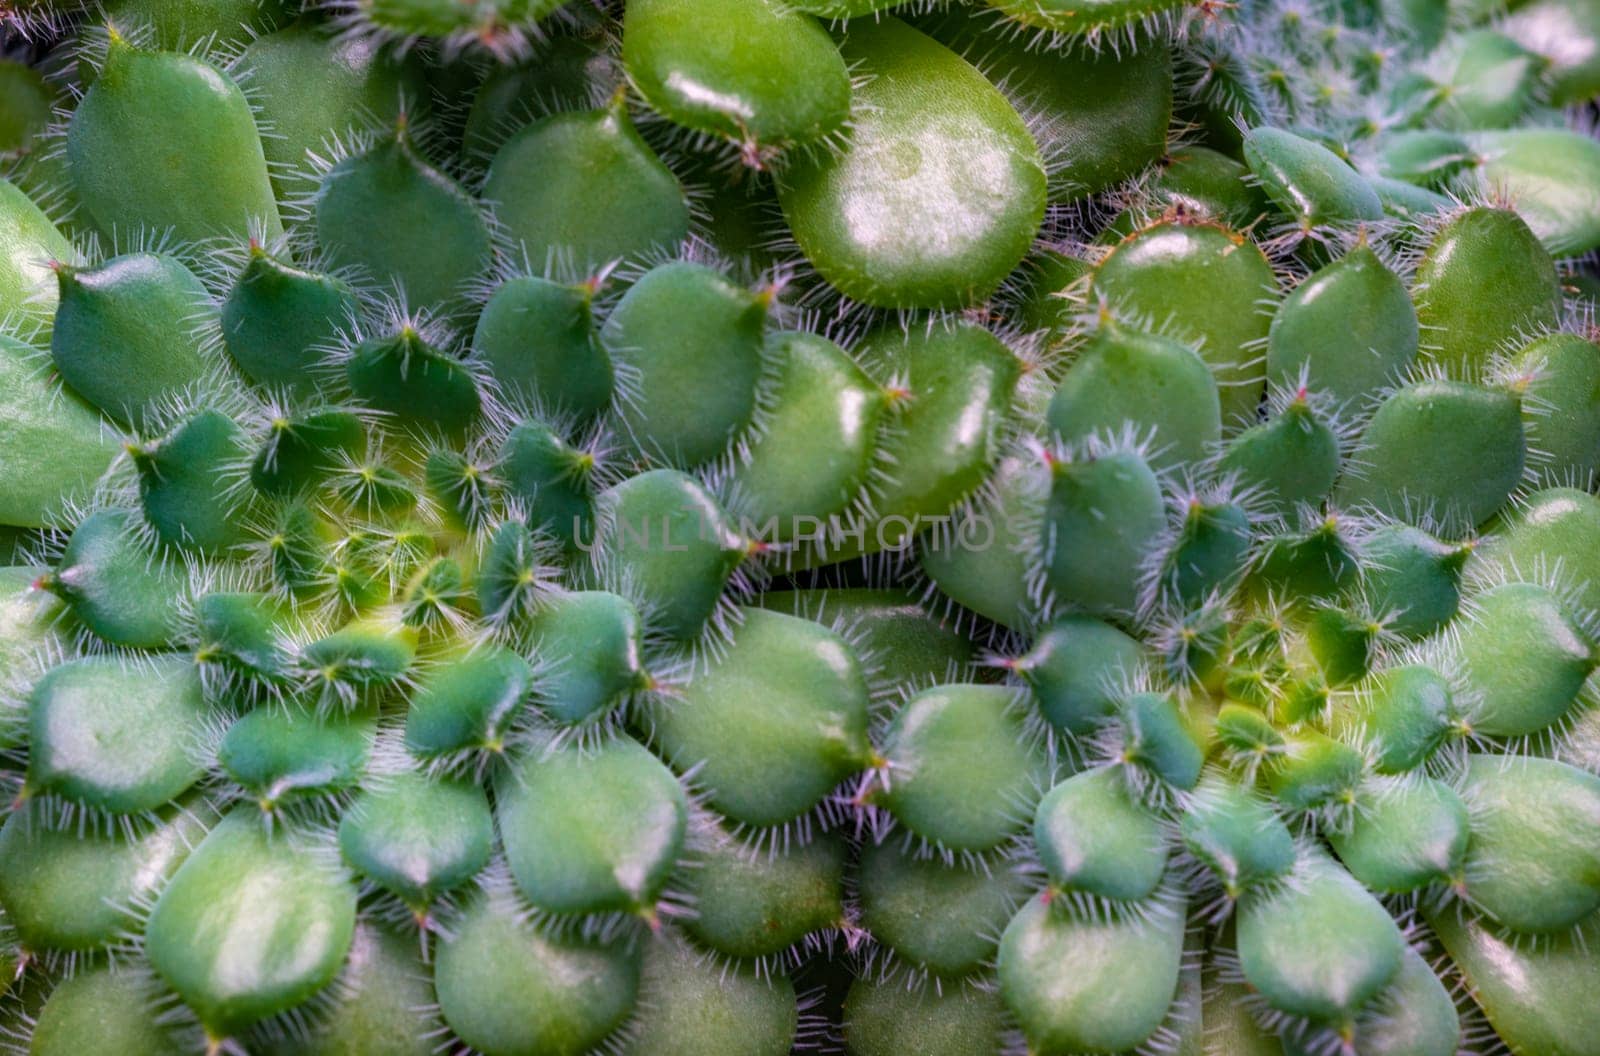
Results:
739 528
